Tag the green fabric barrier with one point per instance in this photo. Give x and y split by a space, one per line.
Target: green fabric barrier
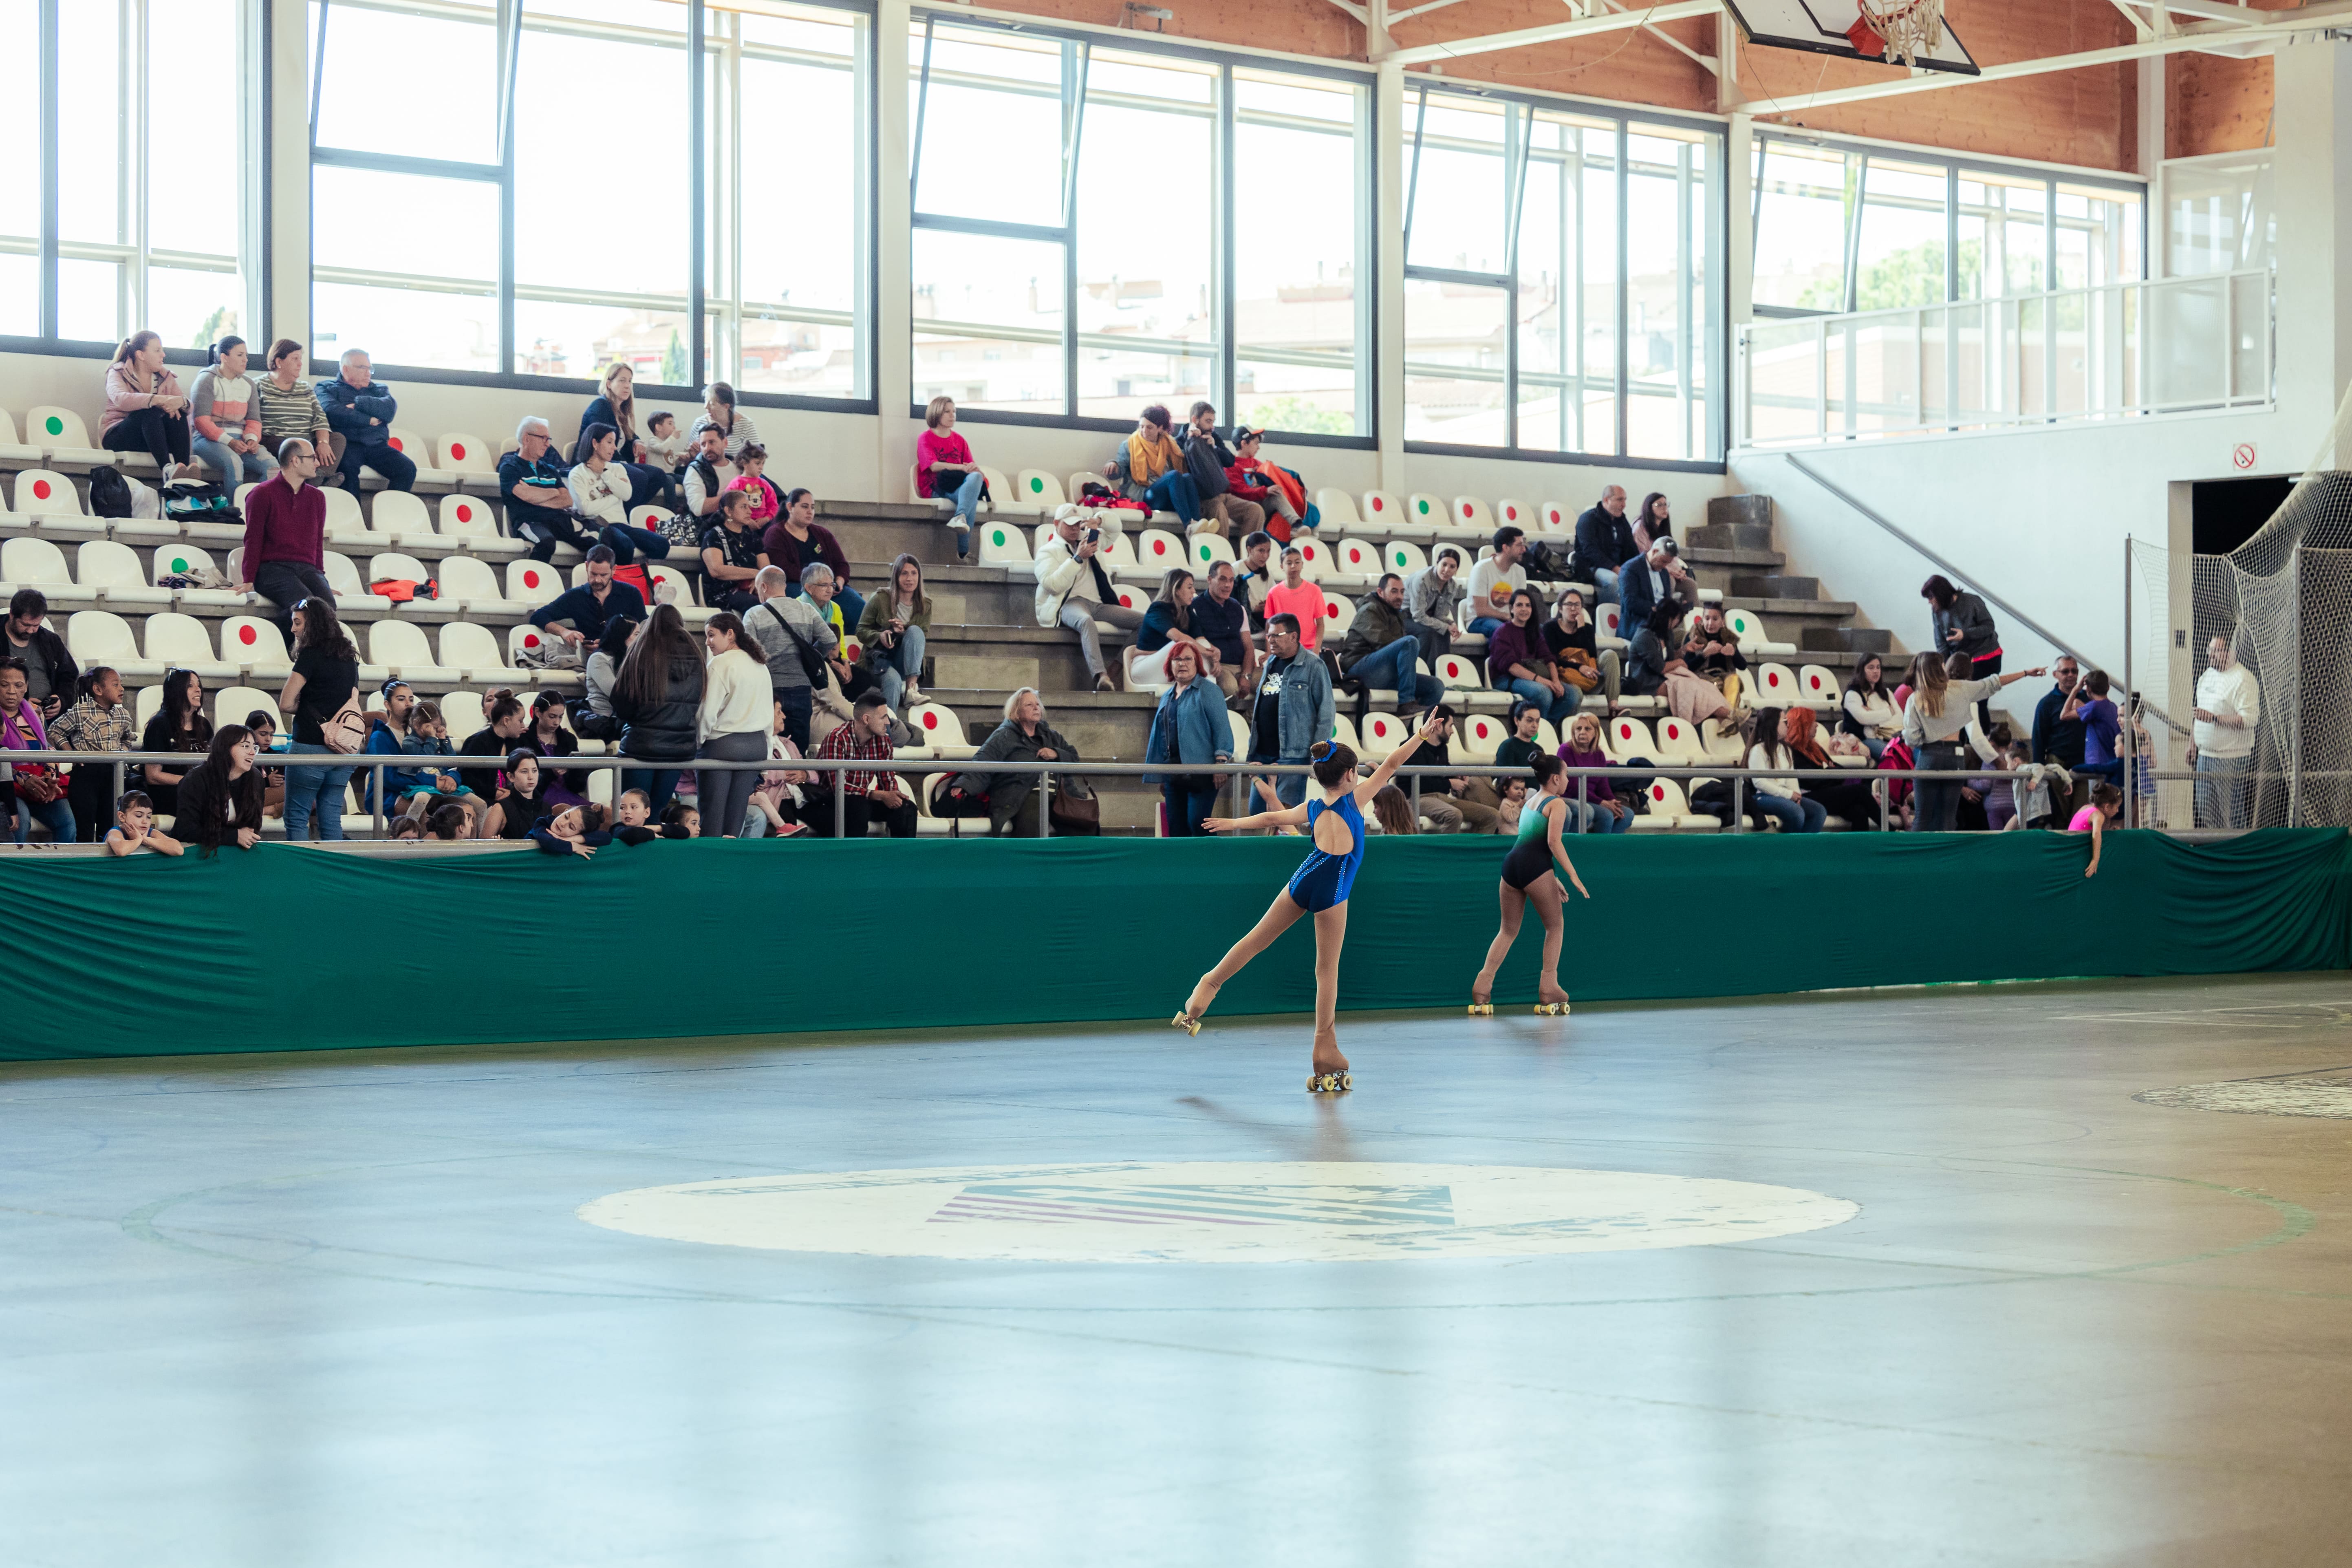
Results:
284 948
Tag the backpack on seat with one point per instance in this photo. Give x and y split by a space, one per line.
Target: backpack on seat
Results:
110 493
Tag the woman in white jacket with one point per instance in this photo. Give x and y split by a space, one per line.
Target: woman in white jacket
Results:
737 713
599 486
1074 586
1779 798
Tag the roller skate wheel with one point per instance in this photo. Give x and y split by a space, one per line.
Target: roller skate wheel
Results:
1482 1009
1190 1025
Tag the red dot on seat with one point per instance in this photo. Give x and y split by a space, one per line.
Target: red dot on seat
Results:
531 639
246 635
530 578
40 490
464 514
930 720
1466 509
458 450
396 445
1376 503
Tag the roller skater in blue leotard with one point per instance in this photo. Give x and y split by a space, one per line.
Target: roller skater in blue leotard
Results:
1319 887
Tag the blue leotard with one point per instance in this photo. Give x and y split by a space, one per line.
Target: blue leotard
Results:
1322 879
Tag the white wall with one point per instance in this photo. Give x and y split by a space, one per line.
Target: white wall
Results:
2040 516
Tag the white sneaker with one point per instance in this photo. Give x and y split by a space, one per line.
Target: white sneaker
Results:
915 697
956 520
169 469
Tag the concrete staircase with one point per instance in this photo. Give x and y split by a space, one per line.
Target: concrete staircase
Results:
1733 552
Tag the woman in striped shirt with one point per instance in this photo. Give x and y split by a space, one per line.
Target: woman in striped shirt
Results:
289 405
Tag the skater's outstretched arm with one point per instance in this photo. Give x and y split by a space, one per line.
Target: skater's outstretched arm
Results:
1560 851
1288 816
1391 762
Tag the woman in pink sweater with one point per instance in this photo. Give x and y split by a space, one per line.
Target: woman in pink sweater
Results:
227 416
146 410
944 469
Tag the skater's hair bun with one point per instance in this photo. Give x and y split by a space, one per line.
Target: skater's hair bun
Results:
1547 768
1332 762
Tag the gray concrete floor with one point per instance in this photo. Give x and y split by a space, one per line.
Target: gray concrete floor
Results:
339 1309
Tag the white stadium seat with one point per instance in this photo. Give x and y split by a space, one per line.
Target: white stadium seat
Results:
532 583
44 491
467 515
1337 509
62 437
174 639
252 644
1002 544
97 637
113 570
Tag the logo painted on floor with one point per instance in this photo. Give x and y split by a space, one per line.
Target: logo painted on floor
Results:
1297 1212
2327 1093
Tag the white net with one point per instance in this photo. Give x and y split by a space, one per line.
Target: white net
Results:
2283 600
1909 29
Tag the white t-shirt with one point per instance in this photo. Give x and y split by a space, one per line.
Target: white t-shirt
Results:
1757 757
1483 578
2236 692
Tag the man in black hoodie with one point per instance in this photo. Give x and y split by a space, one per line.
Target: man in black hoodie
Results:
51 675
1604 541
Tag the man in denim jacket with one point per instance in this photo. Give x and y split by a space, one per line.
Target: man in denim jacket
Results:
1293 708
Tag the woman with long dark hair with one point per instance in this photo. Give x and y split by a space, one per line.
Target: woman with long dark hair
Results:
220 798
896 624
1167 626
737 716
1653 522
658 699
1867 712
325 681
600 488
1531 875
179 725
1334 830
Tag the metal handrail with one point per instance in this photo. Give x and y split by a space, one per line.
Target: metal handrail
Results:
377 764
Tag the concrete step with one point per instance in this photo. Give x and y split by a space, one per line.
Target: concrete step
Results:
1851 640
1740 512
1775 587
1777 612
1733 558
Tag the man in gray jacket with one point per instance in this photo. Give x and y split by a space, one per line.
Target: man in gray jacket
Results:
1293 708
771 622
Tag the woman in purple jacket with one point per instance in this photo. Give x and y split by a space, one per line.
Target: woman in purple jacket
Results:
1605 813
1519 661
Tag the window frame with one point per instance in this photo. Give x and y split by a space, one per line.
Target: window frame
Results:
717 316
1079 44
1518 153
1957 166
137 127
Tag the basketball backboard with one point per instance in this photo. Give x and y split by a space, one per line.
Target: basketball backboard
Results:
1823 28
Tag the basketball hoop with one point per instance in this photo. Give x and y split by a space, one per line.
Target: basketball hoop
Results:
1898 29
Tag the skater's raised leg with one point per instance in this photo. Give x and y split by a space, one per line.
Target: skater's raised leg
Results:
1279 918
1514 903
1330 936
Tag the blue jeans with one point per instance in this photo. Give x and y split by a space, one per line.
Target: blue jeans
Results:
1399 666
966 497
1290 788
902 665
1605 589
1484 625
1187 805
1555 709
2112 770
398 469
56 816
1594 815
314 794
852 602
647 481
1176 493
1800 816
628 543
659 785
2222 799
233 467
799 704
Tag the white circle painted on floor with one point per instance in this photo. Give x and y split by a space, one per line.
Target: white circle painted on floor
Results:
1293 1212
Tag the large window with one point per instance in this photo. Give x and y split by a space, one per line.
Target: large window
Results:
134 242
566 242
1122 242
1842 229
1557 298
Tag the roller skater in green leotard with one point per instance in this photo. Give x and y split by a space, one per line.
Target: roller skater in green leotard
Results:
1531 874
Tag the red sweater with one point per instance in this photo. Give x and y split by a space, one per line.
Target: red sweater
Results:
281 526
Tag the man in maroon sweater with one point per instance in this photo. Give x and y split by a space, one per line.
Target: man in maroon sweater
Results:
285 534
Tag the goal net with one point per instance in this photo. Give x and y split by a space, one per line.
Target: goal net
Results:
2283 600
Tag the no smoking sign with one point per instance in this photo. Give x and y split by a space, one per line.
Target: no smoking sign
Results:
2242 456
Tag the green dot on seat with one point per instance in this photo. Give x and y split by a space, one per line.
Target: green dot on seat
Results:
178 564
55 426
997 537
